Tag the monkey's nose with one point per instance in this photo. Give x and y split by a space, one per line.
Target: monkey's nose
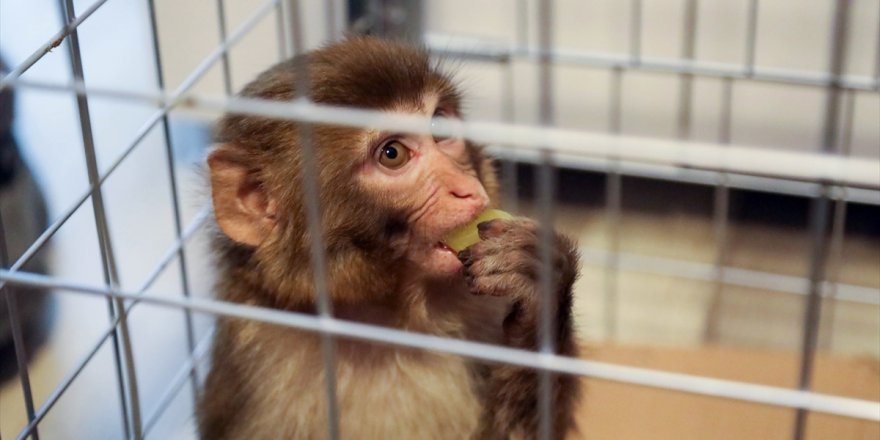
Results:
463 192
473 195
469 190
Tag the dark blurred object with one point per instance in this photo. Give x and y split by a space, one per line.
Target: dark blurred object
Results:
401 19
24 218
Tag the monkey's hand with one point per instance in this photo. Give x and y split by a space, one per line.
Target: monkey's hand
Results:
506 262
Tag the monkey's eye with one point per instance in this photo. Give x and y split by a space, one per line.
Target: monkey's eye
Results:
393 155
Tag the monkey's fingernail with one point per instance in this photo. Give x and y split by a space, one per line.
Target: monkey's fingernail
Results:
484 226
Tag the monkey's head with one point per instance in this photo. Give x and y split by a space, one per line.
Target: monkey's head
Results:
387 198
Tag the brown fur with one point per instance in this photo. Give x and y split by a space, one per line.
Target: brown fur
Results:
267 381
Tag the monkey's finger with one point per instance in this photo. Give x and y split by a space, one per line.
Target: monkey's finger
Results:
515 261
499 227
511 285
563 252
505 236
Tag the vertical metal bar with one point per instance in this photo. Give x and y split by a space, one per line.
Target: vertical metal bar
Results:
17 335
545 71
835 256
221 27
819 214
313 216
687 80
725 127
635 32
330 19
837 59
545 201
122 342
751 38
294 33
281 32
509 166
818 225
689 40
334 11
548 295
877 60
172 178
720 219
289 28
613 208
721 209
838 228
522 24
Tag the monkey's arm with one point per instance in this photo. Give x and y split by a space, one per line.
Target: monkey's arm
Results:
506 263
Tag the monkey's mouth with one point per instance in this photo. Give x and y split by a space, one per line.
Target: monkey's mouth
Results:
441 246
444 259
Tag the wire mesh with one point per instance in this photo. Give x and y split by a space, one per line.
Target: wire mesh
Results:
832 175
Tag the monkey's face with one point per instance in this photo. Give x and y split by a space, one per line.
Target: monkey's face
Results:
430 181
387 198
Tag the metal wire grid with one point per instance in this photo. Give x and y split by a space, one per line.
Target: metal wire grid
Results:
828 178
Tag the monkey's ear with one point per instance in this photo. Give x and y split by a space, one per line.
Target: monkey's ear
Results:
244 211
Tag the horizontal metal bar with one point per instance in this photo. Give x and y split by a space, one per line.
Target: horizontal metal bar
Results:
65 383
179 379
786 165
501 51
47 47
769 395
733 276
688 175
789 165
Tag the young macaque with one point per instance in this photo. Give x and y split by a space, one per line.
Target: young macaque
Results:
389 200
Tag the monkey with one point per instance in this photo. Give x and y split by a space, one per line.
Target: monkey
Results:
387 200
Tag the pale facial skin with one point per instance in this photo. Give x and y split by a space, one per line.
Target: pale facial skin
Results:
432 180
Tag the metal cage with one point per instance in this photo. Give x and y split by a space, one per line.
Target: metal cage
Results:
830 177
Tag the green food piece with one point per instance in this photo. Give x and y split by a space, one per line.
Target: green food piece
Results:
467 235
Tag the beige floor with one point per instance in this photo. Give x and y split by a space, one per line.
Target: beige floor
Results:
658 308
607 411
651 309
